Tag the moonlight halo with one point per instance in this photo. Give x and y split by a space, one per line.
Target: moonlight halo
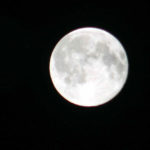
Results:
88 67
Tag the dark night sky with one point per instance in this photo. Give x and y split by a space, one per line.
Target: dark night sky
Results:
33 115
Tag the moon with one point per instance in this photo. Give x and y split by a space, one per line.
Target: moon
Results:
88 67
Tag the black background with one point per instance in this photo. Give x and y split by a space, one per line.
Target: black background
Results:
33 115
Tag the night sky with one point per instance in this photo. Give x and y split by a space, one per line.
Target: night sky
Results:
33 115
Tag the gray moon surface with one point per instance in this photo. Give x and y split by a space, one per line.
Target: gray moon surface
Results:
88 67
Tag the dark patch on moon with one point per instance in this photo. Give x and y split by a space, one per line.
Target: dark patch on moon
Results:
122 55
120 67
101 48
60 64
110 59
75 76
78 44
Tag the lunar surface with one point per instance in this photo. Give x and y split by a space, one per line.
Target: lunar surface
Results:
88 67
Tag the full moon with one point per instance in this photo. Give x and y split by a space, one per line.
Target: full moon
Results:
88 67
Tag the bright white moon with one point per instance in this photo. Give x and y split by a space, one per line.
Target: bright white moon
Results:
88 67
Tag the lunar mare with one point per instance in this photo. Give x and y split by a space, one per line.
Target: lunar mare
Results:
88 67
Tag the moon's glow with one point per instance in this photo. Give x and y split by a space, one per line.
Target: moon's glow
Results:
88 67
